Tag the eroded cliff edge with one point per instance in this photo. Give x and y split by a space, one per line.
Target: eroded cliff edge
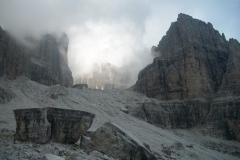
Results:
193 60
44 62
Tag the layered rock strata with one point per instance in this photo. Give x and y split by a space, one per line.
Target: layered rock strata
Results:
67 126
44 62
193 61
218 118
45 124
32 125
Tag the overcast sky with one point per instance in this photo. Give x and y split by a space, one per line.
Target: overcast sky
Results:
115 31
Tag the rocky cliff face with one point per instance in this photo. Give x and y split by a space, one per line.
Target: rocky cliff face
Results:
218 118
46 63
198 72
193 61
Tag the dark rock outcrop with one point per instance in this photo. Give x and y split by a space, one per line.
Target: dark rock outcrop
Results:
45 124
116 142
218 119
5 96
193 61
46 61
67 126
223 148
32 125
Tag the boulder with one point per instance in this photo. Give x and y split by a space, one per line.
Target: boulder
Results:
57 91
5 96
116 142
67 126
80 86
177 146
45 124
125 110
84 142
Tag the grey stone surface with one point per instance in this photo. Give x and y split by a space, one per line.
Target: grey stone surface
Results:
118 143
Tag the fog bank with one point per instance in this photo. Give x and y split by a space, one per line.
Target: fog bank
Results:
116 32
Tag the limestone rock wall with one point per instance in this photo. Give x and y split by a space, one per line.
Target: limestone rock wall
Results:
223 120
218 118
193 61
14 57
231 79
45 124
45 61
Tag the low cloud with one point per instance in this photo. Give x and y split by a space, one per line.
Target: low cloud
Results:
119 32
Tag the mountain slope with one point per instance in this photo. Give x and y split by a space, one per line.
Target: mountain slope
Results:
106 105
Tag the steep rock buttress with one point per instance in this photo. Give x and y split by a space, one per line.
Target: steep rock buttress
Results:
192 61
46 62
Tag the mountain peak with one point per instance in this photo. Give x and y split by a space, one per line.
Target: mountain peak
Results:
195 61
188 30
184 16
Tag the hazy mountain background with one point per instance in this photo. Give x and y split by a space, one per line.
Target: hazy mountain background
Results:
119 32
